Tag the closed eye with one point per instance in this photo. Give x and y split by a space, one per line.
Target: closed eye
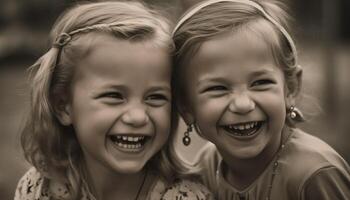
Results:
214 88
262 83
157 99
115 95
112 97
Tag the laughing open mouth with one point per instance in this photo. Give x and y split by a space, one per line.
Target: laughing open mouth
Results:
129 142
243 129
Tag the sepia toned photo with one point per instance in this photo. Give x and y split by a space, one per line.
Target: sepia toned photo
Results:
182 99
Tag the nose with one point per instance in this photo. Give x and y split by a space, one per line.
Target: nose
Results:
135 116
241 103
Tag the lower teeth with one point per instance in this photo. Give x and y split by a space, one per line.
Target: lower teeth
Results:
243 134
129 146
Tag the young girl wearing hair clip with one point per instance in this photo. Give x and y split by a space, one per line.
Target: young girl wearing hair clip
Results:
236 67
101 110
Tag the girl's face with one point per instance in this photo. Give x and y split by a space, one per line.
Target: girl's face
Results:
235 95
120 104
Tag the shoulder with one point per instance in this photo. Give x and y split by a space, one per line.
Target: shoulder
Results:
208 157
312 151
207 166
30 186
305 155
34 185
327 183
187 189
208 149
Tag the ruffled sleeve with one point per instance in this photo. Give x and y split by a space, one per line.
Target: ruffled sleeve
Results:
34 186
30 186
187 190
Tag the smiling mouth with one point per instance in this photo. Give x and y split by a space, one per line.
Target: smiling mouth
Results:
243 129
129 142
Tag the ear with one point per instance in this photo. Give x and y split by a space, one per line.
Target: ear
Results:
293 91
63 110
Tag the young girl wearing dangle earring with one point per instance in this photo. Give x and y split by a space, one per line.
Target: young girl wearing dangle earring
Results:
101 110
236 67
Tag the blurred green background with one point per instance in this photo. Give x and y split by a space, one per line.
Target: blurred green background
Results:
322 33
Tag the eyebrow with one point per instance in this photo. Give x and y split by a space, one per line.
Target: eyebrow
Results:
114 86
209 78
158 88
262 72
121 87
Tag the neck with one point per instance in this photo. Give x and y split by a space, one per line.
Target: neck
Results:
241 173
110 184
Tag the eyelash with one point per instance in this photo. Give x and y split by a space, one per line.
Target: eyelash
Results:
115 95
257 83
215 88
154 100
157 97
262 82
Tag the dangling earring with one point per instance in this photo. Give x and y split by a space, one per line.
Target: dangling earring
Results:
186 140
292 112
295 115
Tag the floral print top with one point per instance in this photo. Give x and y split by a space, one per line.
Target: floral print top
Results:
34 186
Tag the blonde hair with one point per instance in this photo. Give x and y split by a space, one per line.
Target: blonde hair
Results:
211 18
53 148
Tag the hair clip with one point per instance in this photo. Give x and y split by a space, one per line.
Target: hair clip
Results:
62 40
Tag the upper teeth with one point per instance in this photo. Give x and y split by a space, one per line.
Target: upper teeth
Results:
243 126
130 138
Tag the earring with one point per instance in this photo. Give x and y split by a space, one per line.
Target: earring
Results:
295 114
186 140
292 112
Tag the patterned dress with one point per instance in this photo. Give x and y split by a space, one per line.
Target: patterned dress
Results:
34 186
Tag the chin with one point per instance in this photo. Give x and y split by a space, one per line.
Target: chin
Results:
246 153
129 167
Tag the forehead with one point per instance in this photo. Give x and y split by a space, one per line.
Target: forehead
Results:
113 58
236 46
254 32
233 56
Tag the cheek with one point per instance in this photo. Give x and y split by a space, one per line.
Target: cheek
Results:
274 104
93 119
208 111
161 117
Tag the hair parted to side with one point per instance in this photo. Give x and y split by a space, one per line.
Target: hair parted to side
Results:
208 19
53 148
